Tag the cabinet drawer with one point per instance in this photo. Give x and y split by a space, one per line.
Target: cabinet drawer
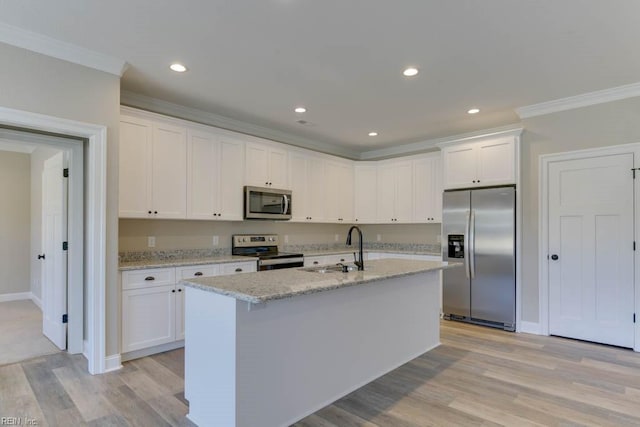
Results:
136 279
194 271
238 267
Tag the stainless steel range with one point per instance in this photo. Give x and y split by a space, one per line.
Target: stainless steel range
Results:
265 247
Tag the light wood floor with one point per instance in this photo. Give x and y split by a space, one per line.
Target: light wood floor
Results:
21 332
477 377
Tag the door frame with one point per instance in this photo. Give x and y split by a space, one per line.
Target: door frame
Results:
544 162
94 255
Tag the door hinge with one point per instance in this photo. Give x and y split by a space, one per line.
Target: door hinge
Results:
634 245
65 172
634 318
65 318
65 246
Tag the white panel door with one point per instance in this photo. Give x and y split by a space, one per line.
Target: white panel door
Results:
591 271
54 232
169 172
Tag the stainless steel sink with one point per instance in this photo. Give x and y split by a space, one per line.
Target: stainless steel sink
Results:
330 269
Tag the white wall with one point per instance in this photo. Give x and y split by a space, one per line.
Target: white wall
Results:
41 84
38 157
613 123
14 222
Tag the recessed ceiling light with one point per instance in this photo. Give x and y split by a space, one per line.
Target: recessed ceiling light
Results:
473 111
410 72
178 68
373 133
300 110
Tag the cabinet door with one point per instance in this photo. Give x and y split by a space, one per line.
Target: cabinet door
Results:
366 194
278 171
386 193
238 267
301 197
148 317
339 196
332 180
202 181
316 188
459 166
196 271
436 189
312 261
169 172
403 173
179 297
427 189
134 165
496 162
256 165
231 177
345 200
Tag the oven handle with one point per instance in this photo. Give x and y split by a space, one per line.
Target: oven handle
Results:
279 261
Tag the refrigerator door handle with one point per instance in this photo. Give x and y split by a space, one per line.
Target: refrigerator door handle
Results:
472 244
466 251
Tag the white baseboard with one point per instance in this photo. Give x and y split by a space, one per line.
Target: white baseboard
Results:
36 300
530 327
112 363
136 354
15 297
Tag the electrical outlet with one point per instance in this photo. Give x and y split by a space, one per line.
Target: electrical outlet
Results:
151 241
438 238
379 237
336 237
286 238
216 240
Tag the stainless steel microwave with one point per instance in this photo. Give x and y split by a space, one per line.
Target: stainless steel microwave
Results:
267 203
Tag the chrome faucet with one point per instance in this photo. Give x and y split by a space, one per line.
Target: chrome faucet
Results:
360 261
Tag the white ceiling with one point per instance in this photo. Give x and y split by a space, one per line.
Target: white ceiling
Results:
255 60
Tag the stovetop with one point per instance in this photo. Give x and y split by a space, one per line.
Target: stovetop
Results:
263 246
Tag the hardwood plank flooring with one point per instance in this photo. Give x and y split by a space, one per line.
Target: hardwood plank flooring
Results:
477 377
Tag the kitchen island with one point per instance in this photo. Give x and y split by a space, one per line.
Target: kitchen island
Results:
272 347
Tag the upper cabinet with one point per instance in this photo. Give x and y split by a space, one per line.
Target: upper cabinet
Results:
427 188
215 176
266 166
366 192
339 194
308 187
395 191
153 169
485 162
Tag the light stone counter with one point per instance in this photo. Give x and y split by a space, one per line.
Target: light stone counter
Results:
180 262
338 251
271 285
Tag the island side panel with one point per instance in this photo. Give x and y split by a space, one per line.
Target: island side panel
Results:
210 358
297 355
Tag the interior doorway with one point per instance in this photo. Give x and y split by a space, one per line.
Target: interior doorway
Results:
588 245
33 286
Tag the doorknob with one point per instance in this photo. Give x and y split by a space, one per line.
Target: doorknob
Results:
554 257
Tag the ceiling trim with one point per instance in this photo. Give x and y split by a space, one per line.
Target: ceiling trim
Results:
144 102
58 49
433 144
578 101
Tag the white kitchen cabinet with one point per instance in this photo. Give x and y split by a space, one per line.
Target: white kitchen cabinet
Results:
318 260
238 267
339 196
215 177
427 183
266 166
487 162
395 192
153 169
307 187
366 192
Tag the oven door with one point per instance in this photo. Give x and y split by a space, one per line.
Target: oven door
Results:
279 263
267 203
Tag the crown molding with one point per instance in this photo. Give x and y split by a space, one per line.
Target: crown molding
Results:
433 144
58 49
578 101
148 103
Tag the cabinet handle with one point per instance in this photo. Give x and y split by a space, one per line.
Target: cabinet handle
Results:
150 212
341 259
179 290
41 256
238 270
173 291
149 278
198 273
315 262
155 212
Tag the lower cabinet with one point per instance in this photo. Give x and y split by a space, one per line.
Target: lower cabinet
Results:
153 302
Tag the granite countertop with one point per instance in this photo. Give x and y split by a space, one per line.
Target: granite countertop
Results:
272 285
179 262
336 251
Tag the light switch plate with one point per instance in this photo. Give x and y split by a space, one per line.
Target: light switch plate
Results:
286 238
336 237
438 238
379 237
216 240
151 241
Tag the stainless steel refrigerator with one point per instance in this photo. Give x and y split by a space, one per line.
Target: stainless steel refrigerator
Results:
478 229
